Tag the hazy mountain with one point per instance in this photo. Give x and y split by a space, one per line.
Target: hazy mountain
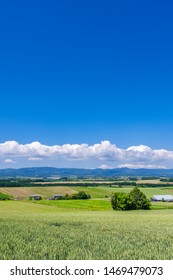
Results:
62 172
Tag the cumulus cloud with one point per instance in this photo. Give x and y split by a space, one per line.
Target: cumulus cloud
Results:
133 157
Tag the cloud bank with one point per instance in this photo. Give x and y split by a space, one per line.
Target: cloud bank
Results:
104 152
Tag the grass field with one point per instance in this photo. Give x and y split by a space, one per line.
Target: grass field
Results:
95 192
72 230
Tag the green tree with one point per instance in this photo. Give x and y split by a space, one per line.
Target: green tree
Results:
140 201
131 201
121 201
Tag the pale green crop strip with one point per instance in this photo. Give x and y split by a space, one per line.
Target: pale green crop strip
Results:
37 231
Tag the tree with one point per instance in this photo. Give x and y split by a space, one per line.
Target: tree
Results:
115 200
132 201
140 201
121 201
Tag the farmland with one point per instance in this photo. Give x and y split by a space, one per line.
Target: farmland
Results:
83 229
95 192
37 231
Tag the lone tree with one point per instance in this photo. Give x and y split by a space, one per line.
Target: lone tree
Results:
132 201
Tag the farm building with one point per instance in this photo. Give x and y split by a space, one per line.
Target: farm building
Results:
167 198
56 197
35 197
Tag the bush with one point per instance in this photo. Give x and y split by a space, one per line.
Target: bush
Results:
79 195
133 201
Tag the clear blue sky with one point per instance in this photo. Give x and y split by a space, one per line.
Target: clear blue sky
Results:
86 71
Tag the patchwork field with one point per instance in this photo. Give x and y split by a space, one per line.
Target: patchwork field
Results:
95 192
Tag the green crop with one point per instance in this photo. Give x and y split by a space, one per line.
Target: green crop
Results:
39 231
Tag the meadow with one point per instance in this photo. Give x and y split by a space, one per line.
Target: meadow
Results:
101 191
83 229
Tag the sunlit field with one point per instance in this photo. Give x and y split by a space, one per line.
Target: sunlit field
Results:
91 230
95 192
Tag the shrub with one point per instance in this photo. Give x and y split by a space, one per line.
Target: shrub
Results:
79 195
132 201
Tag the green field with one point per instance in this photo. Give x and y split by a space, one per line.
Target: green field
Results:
95 192
83 230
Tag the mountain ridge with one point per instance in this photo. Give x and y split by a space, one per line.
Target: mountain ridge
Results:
82 172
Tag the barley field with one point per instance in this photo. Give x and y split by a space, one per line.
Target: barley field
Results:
49 232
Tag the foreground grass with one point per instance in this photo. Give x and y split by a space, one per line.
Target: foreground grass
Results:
38 231
71 205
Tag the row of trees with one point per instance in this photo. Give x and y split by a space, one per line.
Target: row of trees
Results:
132 201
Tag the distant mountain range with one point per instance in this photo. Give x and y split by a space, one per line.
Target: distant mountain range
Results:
76 172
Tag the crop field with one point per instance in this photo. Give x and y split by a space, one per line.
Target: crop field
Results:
95 192
83 230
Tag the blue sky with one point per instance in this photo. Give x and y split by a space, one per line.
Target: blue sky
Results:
74 72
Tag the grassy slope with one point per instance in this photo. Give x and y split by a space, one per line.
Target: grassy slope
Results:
37 231
87 229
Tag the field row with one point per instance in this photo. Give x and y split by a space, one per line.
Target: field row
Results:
95 192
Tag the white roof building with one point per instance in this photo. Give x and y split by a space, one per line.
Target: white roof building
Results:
165 197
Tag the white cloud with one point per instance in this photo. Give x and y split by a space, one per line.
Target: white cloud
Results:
35 158
134 156
136 166
8 160
104 166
